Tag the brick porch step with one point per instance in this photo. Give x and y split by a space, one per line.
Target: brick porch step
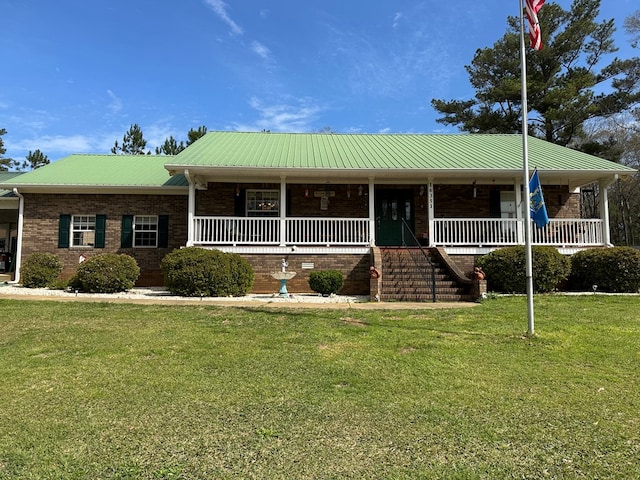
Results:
406 276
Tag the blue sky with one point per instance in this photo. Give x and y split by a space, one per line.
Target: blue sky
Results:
77 73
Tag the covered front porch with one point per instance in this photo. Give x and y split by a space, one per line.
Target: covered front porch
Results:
266 193
307 217
360 232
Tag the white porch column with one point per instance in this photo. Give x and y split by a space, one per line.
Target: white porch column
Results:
372 213
18 262
283 210
431 209
520 210
604 211
191 209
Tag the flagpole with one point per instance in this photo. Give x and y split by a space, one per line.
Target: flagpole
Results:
525 173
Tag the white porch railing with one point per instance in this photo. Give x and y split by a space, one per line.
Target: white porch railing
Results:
480 232
327 231
267 231
475 231
569 232
236 230
510 231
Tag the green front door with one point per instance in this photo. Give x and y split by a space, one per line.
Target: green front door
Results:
391 207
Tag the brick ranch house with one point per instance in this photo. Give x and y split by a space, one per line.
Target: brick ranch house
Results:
319 201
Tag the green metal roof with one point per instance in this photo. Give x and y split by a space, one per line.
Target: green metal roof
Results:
382 152
144 171
229 156
6 176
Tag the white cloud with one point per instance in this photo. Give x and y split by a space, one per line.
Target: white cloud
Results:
295 116
57 144
116 103
156 133
220 9
260 50
412 60
396 18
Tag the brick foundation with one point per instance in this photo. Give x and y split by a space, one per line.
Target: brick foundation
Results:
355 269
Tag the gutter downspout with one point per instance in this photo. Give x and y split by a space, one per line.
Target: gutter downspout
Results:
18 263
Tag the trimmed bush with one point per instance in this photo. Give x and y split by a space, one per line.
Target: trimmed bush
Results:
108 273
615 270
326 282
40 270
506 273
195 272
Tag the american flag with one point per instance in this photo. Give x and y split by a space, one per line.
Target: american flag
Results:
533 7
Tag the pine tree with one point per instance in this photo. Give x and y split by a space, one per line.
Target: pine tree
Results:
5 163
34 160
194 135
133 142
563 79
170 147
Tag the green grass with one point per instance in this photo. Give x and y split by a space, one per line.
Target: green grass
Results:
116 391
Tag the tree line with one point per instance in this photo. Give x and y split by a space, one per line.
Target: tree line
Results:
133 143
32 161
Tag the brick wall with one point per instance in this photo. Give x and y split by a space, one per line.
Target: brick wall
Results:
451 201
42 213
220 199
457 201
465 263
560 202
354 267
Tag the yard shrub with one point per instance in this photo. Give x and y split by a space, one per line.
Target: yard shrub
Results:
108 273
506 273
615 270
40 270
326 282
194 272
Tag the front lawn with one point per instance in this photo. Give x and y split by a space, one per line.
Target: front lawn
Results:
119 391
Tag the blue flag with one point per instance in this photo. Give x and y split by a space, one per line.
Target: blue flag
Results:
536 201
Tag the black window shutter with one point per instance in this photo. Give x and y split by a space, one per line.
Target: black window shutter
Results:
64 229
239 203
101 230
163 231
126 235
494 203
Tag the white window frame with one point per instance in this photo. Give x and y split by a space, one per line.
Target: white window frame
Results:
83 231
262 203
145 231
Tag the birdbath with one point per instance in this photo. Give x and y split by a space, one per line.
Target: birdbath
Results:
283 276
